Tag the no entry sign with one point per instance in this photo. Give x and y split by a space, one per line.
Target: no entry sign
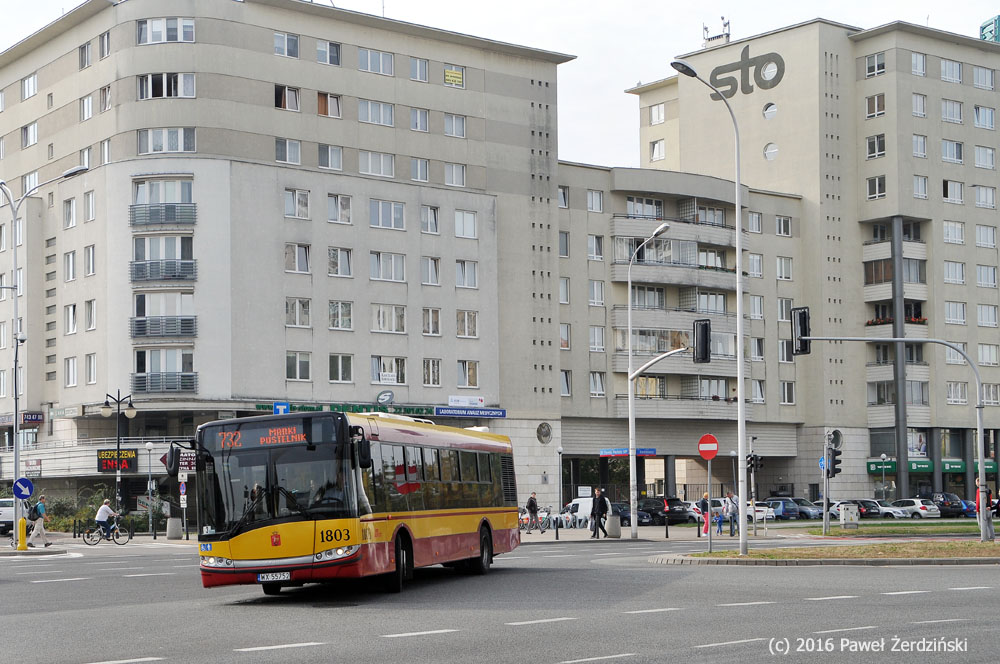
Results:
708 447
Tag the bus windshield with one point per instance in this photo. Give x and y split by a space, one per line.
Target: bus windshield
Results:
249 480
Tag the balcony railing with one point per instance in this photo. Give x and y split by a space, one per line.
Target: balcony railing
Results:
162 213
624 215
163 326
144 383
164 270
636 307
888 321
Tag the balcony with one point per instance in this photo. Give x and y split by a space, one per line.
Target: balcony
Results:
680 364
146 383
883 291
884 415
674 319
680 229
676 274
678 407
171 269
163 326
881 328
162 213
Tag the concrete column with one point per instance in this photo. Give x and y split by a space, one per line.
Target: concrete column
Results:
670 475
937 480
899 366
640 475
574 479
969 454
602 473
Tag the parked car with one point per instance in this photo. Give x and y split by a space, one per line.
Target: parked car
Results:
887 511
675 511
808 509
949 504
6 515
784 508
918 508
867 508
624 511
694 513
763 511
969 508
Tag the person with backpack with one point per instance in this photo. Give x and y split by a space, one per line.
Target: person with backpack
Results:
38 517
532 508
732 512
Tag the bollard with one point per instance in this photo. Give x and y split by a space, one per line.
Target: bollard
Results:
558 519
131 528
666 527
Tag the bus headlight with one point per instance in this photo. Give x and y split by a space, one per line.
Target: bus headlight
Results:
334 554
212 561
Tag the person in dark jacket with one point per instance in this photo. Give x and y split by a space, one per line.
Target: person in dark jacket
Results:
597 514
532 508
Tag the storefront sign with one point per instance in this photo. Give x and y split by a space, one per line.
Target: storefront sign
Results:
469 401
447 411
991 466
623 451
32 467
921 466
916 466
29 419
110 461
72 411
952 466
352 408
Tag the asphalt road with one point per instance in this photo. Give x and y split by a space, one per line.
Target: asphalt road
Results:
576 601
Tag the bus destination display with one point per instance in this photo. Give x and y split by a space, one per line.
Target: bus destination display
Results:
109 461
260 436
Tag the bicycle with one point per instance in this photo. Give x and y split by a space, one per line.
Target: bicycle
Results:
95 534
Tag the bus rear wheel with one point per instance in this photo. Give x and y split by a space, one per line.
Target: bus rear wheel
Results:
481 564
271 588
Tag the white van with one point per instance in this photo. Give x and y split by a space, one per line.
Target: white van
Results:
6 515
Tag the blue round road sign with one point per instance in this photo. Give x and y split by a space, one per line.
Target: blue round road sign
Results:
23 488
822 463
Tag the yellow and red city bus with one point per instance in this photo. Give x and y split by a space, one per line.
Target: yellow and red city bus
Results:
284 500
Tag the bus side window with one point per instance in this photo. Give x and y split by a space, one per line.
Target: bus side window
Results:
413 464
377 494
449 465
484 467
394 471
469 471
432 469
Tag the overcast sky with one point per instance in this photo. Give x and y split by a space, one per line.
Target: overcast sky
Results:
617 44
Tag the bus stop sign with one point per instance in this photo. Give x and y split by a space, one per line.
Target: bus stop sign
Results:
708 447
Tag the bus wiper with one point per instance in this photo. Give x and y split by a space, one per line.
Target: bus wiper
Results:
291 501
246 514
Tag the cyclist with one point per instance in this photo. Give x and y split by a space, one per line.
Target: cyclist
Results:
103 513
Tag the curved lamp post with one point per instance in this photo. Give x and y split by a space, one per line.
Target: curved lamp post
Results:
106 411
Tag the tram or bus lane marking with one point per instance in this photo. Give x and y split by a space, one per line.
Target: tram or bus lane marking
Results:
597 659
562 555
654 610
279 647
538 622
131 661
132 576
76 578
404 634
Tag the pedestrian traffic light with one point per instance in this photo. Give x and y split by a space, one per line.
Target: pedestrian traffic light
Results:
702 341
800 328
833 468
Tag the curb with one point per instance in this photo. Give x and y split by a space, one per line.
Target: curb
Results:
812 562
52 551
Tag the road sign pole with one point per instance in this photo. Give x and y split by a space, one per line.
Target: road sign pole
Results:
710 505
826 491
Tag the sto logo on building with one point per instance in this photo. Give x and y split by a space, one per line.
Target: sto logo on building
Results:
768 70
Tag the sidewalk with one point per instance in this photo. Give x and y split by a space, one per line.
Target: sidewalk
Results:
653 534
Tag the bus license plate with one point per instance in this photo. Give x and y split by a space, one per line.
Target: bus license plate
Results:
274 576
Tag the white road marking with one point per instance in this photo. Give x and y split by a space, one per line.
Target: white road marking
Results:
433 631
131 661
75 578
820 599
188 565
943 620
907 592
846 629
505 557
538 622
42 571
27 566
562 555
284 645
613 553
132 576
597 659
118 568
653 610
745 604
973 588
728 643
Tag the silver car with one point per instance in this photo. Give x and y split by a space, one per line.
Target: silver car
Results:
887 511
918 508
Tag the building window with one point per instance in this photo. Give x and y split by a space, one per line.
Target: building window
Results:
876 146
986 197
951 71
375 112
429 219
563 196
565 383
785 350
419 169
986 236
465 224
69 213
711 216
297 365
181 139
29 135
286 98
951 111
595 247
90 314
755 265
29 86
985 117
388 370
564 336
918 64
390 318
90 362
954 272
596 293
331 156
876 187
957 393
286 44
985 157
875 106
711 303
104 45
86 108
376 163
954 313
597 384
757 349
69 266
563 290
69 368
432 372
920 186
160 30
954 232
986 314
297 258
386 266
953 192
69 319
466 274
386 214
951 151
418 69
754 222
874 65
418 119
982 77
328 52
454 175
328 105
783 226
287 151
338 262
919 105
297 312
784 268
432 322
595 201
563 244
454 125
787 393
756 391
296 203
919 145
106 150
89 260
596 339
989 355
466 324
159 86
784 309
341 315
991 393
376 62
656 114
454 76
757 307
986 276
952 356
430 271
657 150
340 368
105 99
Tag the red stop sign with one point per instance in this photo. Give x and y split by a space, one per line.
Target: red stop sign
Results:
708 447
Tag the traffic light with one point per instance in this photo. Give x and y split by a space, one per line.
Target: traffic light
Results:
754 462
800 328
702 341
833 468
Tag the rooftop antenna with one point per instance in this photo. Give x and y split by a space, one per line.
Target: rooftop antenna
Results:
715 40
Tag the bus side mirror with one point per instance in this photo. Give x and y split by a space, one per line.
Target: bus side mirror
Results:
363 446
173 461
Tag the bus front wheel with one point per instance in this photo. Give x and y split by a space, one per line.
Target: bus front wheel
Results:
404 566
271 588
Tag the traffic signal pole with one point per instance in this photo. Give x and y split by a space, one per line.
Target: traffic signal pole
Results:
826 488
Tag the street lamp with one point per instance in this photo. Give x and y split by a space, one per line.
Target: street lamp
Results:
741 415
19 336
106 411
732 457
883 475
559 451
149 482
633 493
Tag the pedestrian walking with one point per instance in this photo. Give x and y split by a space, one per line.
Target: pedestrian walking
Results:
985 514
597 514
718 523
532 507
38 526
706 513
733 512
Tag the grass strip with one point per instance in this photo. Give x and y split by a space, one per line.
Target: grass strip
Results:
964 549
